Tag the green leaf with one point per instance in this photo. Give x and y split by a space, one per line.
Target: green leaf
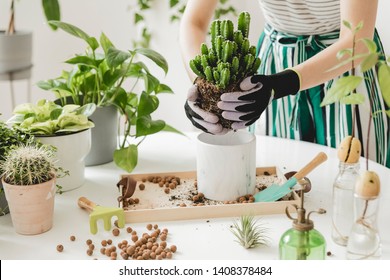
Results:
384 82
173 3
85 60
93 43
51 8
146 126
138 17
162 88
155 57
358 27
126 158
348 60
86 110
71 29
347 24
354 98
341 88
343 52
116 57
151 82
370 44
147 104
369 62
105 43
169 128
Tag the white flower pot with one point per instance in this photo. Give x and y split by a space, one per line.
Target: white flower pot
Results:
72 150
226 165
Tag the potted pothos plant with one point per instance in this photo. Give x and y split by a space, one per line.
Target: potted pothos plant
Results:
108 76
9 138
29 175
16 45
67 128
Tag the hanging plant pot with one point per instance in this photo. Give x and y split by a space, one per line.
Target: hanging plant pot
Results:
31 207
15 55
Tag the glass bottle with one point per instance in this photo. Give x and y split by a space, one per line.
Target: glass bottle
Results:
302 241
342 215
364 241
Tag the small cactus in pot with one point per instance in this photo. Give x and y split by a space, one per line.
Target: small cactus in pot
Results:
221 67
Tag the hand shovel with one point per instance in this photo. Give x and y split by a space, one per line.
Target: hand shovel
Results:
100 212
275 192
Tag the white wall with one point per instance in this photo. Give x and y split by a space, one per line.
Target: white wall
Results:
114 18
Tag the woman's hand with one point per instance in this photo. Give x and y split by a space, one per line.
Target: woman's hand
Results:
246 106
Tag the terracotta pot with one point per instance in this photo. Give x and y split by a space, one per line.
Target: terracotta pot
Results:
31 207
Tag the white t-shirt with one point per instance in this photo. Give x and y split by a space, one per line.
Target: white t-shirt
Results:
302 17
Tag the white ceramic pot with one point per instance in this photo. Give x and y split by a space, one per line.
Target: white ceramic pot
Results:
226 165
72 150
31 207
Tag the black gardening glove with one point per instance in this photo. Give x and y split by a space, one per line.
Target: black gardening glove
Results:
200 118
246 106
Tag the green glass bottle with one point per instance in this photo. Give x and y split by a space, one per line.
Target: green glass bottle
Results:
302 241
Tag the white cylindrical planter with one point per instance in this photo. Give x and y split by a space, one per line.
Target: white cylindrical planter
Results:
31 207
15 55
72 150
226 165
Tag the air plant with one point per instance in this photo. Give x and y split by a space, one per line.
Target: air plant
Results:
249 233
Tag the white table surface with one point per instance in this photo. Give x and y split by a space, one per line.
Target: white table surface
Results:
202 239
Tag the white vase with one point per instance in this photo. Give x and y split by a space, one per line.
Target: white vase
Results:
31 207
72 150
226 165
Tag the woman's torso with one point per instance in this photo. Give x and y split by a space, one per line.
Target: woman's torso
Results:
302 17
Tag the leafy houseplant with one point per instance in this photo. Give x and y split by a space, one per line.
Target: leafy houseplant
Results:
48 118
105 75
221 67
29 176
8 138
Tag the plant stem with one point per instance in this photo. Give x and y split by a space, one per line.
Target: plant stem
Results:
369 123
11 24
354 108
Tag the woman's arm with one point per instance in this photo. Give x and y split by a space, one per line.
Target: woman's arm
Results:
193 29
315 70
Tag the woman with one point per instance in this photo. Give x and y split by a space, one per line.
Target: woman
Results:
298 49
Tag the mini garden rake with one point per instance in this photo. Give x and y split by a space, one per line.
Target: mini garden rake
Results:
100 212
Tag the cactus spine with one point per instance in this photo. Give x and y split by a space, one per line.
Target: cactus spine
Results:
230 58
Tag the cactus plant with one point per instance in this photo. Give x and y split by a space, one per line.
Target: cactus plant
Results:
222 66
30 164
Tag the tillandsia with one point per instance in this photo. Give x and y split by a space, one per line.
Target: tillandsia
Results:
249 233
230 58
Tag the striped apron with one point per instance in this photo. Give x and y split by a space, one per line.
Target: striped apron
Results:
301 117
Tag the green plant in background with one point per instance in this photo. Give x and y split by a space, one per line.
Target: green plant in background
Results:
48 118
177 7
105 75
344 89
51 10
230 57
249 233
30 164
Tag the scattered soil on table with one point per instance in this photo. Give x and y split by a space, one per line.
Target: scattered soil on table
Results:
171 191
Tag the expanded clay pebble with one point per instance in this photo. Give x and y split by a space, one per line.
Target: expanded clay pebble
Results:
116 231
60 248
72 238
141 187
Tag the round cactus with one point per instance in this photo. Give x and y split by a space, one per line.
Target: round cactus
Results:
29 164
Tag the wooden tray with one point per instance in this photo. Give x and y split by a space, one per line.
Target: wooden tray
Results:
173 212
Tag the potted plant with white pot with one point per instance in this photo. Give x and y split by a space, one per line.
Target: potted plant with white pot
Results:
8 138
16 45
112 79
65 127
29 181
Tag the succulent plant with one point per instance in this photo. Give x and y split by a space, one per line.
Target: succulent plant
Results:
249 233
222 66
29 164
230 57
